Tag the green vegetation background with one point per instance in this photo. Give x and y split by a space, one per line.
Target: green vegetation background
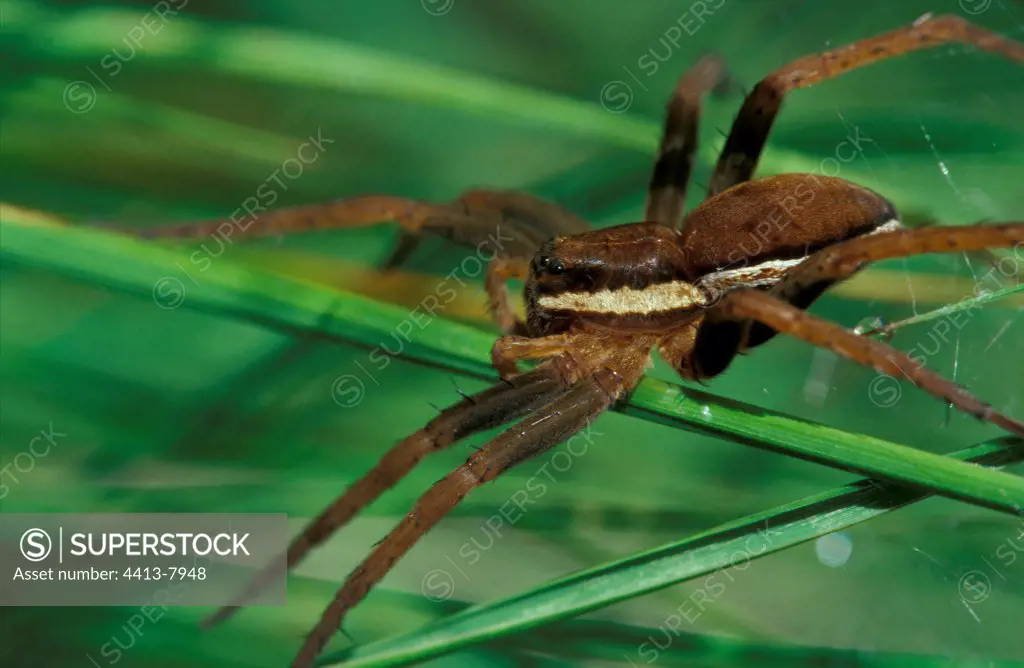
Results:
196 411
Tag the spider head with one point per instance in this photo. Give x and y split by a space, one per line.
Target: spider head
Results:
550 265
562 264
546 263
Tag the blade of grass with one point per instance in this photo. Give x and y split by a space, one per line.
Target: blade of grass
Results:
694 410
588 640
185 137
579 640
977 301
729 544
305 309
303 60
310 61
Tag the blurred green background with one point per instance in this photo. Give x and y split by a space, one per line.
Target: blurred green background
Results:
187 410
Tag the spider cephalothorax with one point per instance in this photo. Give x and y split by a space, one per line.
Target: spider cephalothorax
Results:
649 277
699 289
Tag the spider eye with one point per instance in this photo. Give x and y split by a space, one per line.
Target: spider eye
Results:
550 265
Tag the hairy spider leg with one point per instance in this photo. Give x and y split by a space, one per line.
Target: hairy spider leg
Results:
538 217
666 194
536 433
749 132
806 282
510 349
527 220
499 271
350 212
510 224
677 349
750 304
485 410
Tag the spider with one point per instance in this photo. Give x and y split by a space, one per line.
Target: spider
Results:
699 289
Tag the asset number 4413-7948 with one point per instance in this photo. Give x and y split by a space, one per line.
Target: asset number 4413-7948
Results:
171 573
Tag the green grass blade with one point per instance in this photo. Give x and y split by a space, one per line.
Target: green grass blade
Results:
962 306
859 453
588 640
303 60
728 545
579 640
147 270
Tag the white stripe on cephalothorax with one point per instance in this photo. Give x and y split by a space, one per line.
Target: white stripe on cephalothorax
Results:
769 272
671 296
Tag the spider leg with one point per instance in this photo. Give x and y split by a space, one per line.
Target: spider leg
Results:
485 410
487 214
753 123
750 304
551 425
666 195
516 223
512 223
499 271
677 350
256 221
917 219
537 218
806 282
510 349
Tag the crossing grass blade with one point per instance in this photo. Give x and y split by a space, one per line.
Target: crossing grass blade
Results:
222 401
126 264
730 546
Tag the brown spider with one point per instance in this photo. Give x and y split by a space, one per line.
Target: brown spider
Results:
699 289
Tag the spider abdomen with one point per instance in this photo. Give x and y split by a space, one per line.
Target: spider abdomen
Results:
753 233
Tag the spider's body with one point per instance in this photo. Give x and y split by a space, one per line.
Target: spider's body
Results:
699 289
626 278
651 278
